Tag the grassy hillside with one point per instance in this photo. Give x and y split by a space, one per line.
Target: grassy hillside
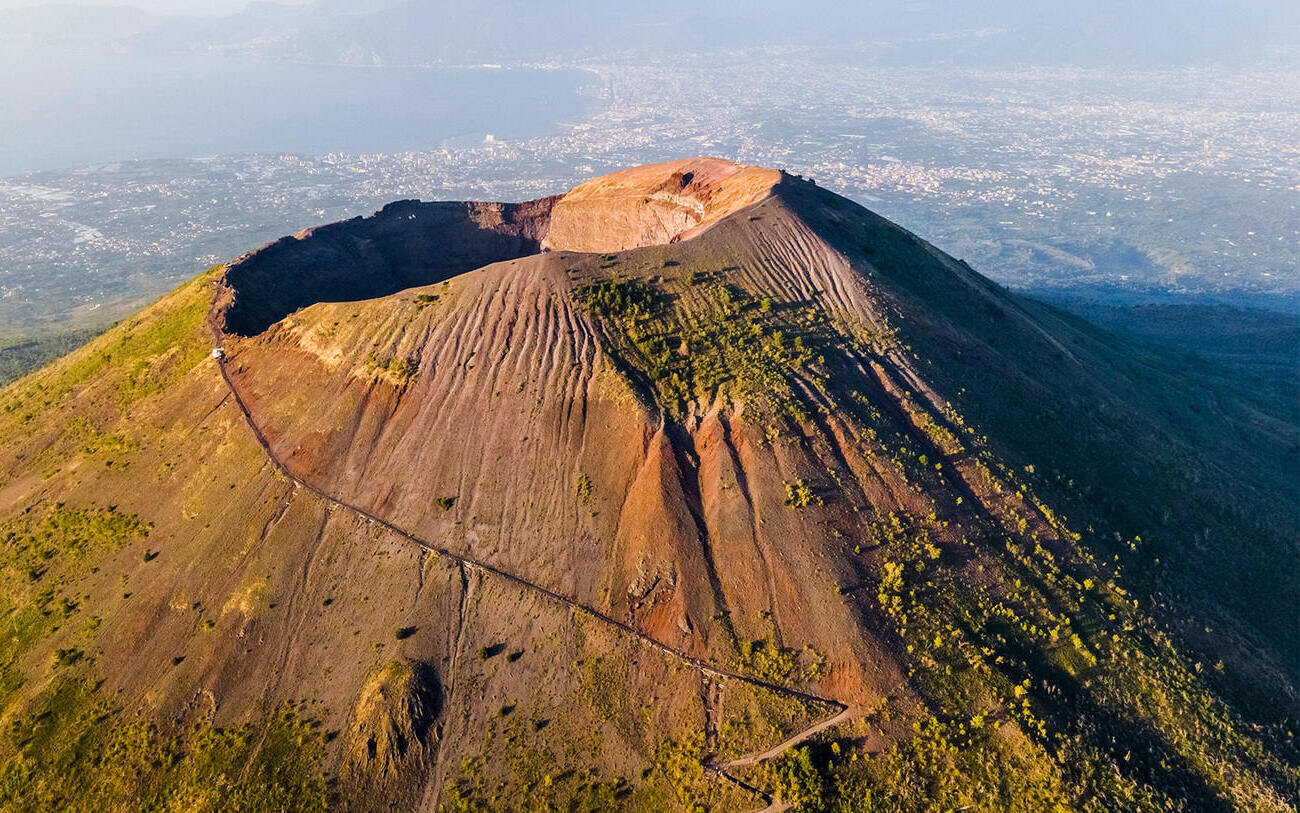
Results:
21 357
71 740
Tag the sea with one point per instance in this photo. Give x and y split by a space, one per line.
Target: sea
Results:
80 109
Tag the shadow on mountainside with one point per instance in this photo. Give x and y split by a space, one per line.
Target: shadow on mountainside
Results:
404 245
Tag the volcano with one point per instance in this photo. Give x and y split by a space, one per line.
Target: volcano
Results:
695 487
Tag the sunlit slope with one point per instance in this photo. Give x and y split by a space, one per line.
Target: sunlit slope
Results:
781 438
189 628
654 204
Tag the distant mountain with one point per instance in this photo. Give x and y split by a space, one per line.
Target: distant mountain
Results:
74 24
695 487
1103 32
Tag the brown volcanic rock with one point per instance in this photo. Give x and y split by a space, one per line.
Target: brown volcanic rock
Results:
513 398
654 204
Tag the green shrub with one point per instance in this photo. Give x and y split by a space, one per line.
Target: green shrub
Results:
399 368
67 657
799 495
797 781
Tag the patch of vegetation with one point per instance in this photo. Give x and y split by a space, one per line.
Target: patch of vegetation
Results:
397 368
583 489
877 339
540 784
251 599
67 657
43 553
604 680
799 495
73 750
680 765
753 719
620 299
944 766
795 780
724 343
1058 646
444 503
781 665
93 387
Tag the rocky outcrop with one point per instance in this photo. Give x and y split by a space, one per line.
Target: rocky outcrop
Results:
654 204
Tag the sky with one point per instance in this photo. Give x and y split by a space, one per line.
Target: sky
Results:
200 7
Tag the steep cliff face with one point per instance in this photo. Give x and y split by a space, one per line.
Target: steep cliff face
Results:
406 244
508 521
655 204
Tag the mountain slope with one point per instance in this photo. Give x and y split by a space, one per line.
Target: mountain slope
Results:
695 485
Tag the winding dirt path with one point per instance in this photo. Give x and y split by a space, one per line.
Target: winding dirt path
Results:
807 734
843 711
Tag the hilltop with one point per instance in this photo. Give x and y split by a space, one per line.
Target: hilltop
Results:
695 486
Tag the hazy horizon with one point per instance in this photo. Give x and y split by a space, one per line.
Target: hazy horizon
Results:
1098 32
1124 150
